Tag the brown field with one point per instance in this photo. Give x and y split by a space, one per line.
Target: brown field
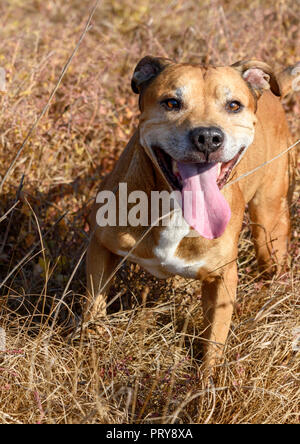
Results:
143 367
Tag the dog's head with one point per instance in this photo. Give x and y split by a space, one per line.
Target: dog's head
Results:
196 119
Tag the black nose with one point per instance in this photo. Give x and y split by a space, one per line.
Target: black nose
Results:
207 140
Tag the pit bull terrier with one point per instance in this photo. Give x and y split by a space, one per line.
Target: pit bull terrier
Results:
201 127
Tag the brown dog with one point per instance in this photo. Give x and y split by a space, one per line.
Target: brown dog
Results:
200 127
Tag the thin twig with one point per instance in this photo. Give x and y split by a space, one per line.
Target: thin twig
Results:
11 215
262 165
2 218
66 292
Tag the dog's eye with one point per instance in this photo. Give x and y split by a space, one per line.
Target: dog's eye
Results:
234 106
171 104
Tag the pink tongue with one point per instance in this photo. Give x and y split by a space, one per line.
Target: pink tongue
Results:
204 207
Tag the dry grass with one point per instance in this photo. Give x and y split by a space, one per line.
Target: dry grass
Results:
143 367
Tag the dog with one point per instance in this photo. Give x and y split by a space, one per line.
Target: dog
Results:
200 128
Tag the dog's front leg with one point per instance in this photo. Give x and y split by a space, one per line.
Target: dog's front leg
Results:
100 266
218 299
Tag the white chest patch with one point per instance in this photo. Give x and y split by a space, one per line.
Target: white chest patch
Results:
164 262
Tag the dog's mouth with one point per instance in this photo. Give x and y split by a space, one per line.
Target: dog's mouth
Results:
170 169
204 206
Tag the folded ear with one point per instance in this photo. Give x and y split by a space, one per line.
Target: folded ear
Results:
259 75
147 68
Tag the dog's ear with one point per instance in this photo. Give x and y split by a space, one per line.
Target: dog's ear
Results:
147 68
259 76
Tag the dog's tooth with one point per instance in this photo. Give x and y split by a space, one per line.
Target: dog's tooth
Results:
219 168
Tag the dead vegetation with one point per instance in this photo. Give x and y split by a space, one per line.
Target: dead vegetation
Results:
143 366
